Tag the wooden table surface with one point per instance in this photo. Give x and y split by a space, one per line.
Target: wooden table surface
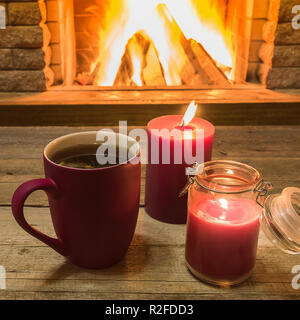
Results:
154 267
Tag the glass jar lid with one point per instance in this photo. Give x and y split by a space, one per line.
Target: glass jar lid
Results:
280 220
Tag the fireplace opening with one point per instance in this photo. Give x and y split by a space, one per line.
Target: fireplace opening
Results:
148 43
157 42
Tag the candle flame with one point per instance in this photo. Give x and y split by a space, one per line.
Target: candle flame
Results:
190 114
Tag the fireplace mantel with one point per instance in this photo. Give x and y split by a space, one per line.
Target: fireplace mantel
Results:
254 106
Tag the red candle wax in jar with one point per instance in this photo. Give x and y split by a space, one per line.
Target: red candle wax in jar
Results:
165 181
222 236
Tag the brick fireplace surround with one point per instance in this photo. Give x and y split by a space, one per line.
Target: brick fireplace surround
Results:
23 66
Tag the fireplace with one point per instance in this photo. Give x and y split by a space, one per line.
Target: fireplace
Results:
133 44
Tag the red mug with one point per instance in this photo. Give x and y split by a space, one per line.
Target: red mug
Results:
94 211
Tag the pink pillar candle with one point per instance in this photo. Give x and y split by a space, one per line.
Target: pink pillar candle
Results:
165 181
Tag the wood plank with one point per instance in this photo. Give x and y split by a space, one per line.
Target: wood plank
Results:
39 198
33 267
67 295
274 151
280 169
148 232
219 113
90 95
241 105
281 173
230 141
154 267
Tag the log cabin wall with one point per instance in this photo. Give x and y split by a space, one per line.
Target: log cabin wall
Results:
264 18
285 58
31 59
21 42
274 57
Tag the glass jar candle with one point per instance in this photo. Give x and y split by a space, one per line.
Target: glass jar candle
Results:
224 215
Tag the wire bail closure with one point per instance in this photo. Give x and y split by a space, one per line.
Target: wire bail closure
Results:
191 173
262 189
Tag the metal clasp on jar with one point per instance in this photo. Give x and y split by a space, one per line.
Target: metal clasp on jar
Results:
191 173
262 189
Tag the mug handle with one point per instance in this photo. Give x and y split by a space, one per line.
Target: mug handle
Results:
18 201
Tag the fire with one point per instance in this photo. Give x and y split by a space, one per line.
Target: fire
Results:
189 114
136 77
136 58
197 20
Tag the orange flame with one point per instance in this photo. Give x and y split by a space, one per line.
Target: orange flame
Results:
136 58
189 114
199 20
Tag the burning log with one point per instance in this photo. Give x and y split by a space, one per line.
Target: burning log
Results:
84 78
140 64
153 74
206 66
88 78
133 61
198 68
188 64
180 61
123 77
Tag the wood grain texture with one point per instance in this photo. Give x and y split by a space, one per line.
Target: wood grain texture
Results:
273 113
154 267
93 95
93 107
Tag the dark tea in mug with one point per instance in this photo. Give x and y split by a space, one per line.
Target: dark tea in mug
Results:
85 156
